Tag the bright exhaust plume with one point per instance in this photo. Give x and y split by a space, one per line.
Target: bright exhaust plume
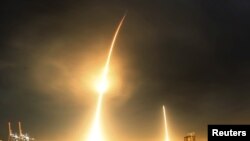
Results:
96 132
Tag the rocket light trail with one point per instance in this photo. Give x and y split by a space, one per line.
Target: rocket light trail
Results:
95 133
165 123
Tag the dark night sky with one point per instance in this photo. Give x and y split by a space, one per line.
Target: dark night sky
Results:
192 56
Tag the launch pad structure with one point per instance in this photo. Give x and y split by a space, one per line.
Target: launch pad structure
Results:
18 137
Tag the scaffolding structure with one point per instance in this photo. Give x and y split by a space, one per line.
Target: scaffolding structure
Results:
20 136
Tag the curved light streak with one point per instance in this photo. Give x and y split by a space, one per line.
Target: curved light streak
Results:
95 133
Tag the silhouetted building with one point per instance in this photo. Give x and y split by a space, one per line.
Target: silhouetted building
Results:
190 137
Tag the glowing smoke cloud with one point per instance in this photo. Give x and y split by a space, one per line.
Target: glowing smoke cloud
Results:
95 133
165 123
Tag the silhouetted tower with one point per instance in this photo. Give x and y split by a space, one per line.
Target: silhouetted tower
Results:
10 133
12 137
23 137
20 128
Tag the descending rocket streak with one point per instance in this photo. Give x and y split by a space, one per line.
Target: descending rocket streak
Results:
105 73
106 68
95 134
165 123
